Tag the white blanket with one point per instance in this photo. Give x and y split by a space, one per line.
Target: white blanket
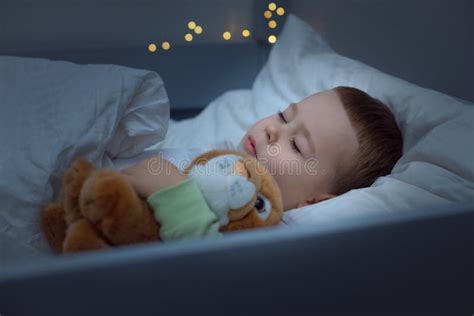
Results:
52 113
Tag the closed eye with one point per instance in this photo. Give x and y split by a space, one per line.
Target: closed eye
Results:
282 117
293 142
295 147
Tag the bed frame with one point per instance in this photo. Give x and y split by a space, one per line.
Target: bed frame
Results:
416 263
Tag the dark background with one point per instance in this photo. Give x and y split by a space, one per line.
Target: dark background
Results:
427 42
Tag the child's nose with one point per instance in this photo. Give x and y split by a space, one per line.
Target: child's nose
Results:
272 133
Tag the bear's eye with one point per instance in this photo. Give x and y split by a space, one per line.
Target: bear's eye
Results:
263 207
259 204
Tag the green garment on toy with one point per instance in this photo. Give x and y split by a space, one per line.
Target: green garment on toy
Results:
183 212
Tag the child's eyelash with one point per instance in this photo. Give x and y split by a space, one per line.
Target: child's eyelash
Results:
282 117
293 144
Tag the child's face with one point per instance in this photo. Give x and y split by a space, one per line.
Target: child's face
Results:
304 146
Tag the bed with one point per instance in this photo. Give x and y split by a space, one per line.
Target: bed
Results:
404 243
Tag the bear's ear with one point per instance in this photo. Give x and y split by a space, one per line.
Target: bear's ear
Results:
202 159
205 157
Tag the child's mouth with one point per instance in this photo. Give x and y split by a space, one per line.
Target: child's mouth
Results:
249 146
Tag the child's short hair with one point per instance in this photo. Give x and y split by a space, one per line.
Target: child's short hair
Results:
380 140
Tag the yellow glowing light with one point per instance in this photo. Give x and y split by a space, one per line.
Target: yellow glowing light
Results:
272 39
198 29
280 11
152 48
245 33
165 45
267 14
227 36
272 6
191 25
188 37
272 24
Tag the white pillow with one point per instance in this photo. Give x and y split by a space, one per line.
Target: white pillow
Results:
224 119
53 112
437 164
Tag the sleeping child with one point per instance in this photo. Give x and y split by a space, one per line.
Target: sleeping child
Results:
323 146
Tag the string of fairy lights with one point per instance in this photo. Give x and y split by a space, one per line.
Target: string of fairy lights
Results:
271 15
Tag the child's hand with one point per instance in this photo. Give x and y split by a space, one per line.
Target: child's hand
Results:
152 175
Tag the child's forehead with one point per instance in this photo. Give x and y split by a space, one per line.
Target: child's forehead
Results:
328 123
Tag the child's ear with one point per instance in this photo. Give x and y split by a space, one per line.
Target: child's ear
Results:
318 198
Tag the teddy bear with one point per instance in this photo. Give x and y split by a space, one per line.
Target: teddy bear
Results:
99 208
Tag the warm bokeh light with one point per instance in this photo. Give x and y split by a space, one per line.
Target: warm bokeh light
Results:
198 29
227 36
152 47
165 45
191 25
280 11
188 37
